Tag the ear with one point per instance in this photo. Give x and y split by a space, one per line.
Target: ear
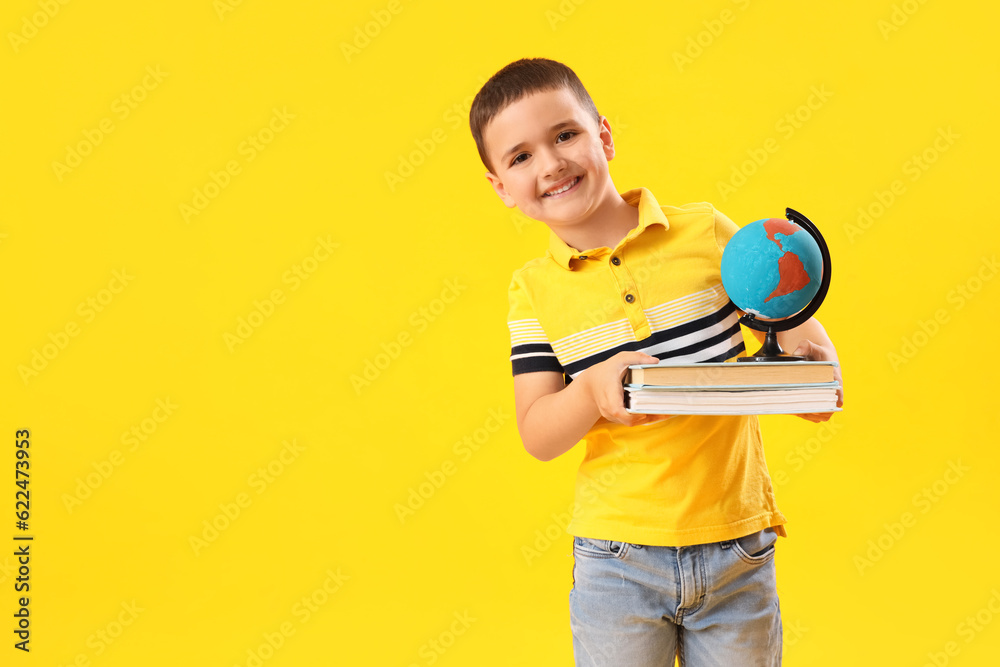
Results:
604 132
500 189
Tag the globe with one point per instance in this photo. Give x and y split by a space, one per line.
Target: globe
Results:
777 271
772 268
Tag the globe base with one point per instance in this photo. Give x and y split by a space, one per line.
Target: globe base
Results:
784 357
770 351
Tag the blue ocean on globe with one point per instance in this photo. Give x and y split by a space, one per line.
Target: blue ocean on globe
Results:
772 268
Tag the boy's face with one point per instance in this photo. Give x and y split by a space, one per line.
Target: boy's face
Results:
550 159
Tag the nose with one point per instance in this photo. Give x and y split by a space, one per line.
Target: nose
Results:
552 163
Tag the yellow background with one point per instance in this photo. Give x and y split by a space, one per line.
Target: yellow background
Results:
419 276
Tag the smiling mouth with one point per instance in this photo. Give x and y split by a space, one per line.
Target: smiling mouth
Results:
559 191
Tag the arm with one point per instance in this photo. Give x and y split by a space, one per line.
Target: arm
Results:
553 416
810 340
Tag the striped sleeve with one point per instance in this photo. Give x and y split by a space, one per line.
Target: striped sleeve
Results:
530 349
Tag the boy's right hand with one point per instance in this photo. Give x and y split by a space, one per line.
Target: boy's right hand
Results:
604 386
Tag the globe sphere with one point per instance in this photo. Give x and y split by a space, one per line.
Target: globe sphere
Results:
772 268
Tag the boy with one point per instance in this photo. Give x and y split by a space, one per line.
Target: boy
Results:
675 520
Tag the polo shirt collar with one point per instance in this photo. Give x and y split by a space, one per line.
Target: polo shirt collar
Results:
650 213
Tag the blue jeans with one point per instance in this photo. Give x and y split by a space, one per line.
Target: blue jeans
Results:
635 605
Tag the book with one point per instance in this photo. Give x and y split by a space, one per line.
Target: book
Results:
733 400
730 373
732 388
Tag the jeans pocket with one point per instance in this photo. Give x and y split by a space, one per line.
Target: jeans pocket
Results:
756 548
590 548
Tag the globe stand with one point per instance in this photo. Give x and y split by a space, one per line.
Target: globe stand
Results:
771 351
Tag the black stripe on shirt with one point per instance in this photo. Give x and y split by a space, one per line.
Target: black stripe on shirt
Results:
532 358
668 334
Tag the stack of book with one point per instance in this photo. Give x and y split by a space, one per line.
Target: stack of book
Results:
730 388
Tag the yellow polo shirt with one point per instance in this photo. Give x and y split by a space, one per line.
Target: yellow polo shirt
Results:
686 480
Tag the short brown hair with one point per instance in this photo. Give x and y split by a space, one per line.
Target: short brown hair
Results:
516 80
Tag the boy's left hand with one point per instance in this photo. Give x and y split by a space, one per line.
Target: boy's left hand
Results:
814 352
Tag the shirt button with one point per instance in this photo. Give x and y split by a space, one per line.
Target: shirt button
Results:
629 298
615 261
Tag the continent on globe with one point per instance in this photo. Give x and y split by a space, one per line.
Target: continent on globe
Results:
775 226
792 272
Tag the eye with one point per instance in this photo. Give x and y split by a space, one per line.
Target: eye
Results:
520 157
566 136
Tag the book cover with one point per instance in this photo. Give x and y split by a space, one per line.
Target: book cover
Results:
731 373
